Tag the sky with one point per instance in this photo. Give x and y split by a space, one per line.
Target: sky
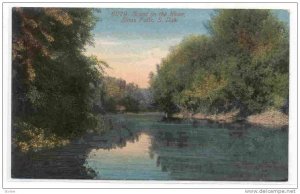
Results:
134 41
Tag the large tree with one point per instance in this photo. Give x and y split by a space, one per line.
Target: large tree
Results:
242 64
54 83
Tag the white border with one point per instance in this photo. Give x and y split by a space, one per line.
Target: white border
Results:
15 183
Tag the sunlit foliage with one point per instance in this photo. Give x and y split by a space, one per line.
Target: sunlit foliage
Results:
242 64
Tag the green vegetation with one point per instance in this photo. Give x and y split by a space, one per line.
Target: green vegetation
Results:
121 96
58 92
54 84
243 64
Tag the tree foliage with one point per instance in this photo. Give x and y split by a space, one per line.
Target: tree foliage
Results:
242 64
54 83
122 96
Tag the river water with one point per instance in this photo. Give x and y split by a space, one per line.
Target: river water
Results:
145 148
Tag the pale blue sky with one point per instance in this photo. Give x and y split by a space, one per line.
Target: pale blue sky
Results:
133 49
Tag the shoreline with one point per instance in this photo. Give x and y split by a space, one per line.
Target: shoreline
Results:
68 162
270 118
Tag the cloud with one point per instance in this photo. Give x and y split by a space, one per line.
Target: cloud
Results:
106 42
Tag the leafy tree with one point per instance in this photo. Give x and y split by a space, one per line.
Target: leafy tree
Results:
55 82
176 72
259 43
242 64
118 94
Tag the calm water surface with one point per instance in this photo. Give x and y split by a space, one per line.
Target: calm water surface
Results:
144 148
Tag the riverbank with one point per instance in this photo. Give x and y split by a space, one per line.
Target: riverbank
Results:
269 118
64 162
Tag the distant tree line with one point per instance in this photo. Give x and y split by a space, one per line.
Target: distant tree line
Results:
121 96
242 64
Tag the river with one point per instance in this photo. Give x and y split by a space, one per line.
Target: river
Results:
145 148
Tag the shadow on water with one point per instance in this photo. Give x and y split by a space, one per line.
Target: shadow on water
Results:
142 147
68 162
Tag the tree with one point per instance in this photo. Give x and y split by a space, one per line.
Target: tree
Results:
128 95
242 64
52 77
259 43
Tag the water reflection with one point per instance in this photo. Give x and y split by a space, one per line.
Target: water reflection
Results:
151 150
222 154
131 162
